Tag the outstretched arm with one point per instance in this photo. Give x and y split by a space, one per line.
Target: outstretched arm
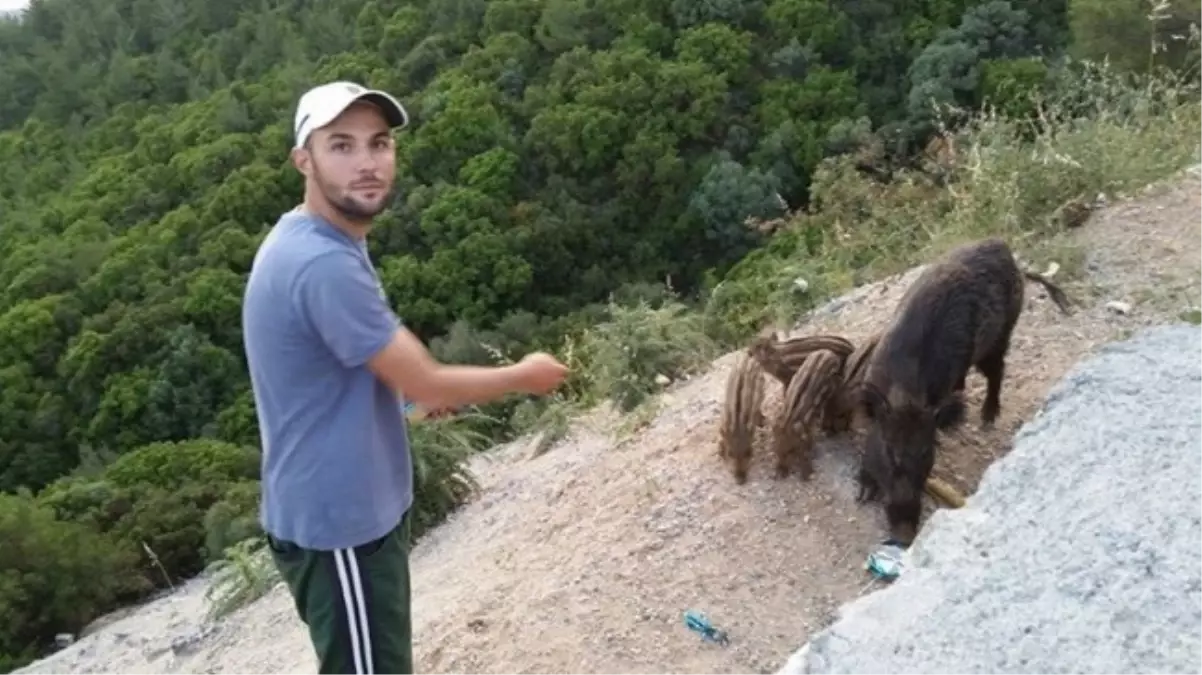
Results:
343 304
405 363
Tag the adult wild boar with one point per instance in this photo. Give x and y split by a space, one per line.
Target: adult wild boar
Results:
960 313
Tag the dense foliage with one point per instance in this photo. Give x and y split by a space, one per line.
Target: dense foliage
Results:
563 153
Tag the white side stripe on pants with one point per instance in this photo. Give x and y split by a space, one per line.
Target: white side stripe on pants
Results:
356 609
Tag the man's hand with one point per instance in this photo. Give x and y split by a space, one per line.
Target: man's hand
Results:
439 413
540 373
405 365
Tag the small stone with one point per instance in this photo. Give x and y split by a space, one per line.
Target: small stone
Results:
1119 307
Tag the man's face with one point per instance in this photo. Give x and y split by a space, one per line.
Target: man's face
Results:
352 160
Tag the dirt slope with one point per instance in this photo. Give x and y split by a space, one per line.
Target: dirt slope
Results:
584 559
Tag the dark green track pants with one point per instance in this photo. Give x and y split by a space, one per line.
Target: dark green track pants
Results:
355 602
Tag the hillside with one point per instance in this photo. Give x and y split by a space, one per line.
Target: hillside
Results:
584 558
635 187
562 154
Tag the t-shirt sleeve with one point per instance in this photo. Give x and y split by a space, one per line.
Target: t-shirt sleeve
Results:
343 304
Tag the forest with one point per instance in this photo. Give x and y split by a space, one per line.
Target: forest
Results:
573 167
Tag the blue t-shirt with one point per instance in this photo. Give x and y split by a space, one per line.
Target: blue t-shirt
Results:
336 467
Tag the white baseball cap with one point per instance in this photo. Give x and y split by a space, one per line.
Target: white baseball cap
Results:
321 104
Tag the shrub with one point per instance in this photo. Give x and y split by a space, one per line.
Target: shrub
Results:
767 288
233 519
168 528
1099 131
244 575
1011 85
55 577
172 464
156 502
441 478
85 500
625 354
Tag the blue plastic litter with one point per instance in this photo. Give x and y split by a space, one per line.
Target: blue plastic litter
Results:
886 562
699 624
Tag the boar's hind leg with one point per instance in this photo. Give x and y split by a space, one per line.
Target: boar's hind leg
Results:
993 367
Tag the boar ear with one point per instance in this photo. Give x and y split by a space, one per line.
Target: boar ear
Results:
950 412
872 401
759 344
768 333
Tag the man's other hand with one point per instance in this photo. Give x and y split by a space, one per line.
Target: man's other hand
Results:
541 373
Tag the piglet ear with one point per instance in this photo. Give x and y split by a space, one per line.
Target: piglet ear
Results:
759 344
872 401
767 334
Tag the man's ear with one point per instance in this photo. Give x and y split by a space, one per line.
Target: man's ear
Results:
302 160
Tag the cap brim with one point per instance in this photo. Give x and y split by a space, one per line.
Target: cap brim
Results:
394 112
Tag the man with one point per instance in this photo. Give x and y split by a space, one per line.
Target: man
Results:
328 362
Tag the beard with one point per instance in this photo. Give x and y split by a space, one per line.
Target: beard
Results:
354 210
